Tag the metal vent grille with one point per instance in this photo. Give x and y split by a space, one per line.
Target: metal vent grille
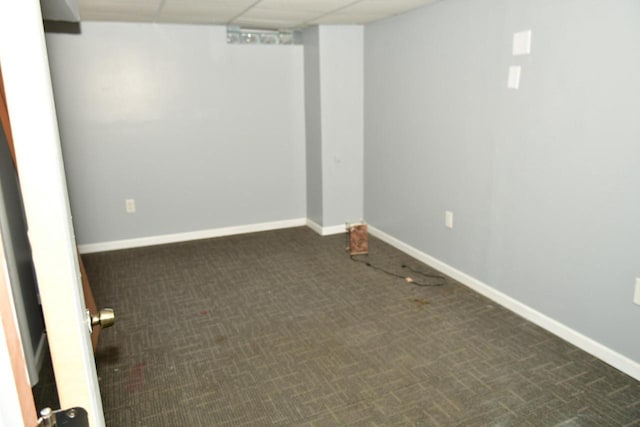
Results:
237 35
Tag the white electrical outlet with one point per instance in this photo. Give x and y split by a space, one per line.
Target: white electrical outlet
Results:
130 205
448 219
513 82
636 295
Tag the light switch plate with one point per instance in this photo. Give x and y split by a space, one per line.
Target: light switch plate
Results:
636 295
522 43
514 77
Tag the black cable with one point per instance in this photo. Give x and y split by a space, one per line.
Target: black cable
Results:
423 274
368 264
407 279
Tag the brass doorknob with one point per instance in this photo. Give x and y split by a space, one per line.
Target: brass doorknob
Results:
105 318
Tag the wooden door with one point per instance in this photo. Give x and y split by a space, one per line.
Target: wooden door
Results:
29 99
26 413
86 286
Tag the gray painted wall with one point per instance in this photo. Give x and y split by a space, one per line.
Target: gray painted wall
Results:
334 123
342 83
313 122
200 133
542 181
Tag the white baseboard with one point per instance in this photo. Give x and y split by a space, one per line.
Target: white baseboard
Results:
191 235
314 226
607 355
326 231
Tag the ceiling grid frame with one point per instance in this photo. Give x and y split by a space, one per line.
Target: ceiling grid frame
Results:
257 14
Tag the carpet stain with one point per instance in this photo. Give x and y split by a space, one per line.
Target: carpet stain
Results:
136 378
420 302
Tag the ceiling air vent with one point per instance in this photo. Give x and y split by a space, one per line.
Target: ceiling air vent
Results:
237 35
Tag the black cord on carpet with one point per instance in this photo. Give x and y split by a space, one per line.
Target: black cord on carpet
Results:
407 279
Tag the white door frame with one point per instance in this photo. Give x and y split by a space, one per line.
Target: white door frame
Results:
25 68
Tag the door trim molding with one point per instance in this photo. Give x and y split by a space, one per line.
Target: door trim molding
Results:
22 389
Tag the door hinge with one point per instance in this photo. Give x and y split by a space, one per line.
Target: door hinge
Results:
73 417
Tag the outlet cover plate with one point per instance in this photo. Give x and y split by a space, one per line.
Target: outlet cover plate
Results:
514 77
130 205
448 219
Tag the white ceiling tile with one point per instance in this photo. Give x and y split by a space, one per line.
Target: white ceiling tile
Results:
382 7
200 11
346 19
305 5
367 11
189 17
266 24
250 13
271 14
115 10
216 11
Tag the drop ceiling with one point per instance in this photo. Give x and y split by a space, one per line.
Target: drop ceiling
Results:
262 14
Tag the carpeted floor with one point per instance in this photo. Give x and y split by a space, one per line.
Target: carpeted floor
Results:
282 328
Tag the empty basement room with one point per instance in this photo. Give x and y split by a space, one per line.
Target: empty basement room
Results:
217 153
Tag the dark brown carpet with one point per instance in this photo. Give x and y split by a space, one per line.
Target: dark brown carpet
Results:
282 328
